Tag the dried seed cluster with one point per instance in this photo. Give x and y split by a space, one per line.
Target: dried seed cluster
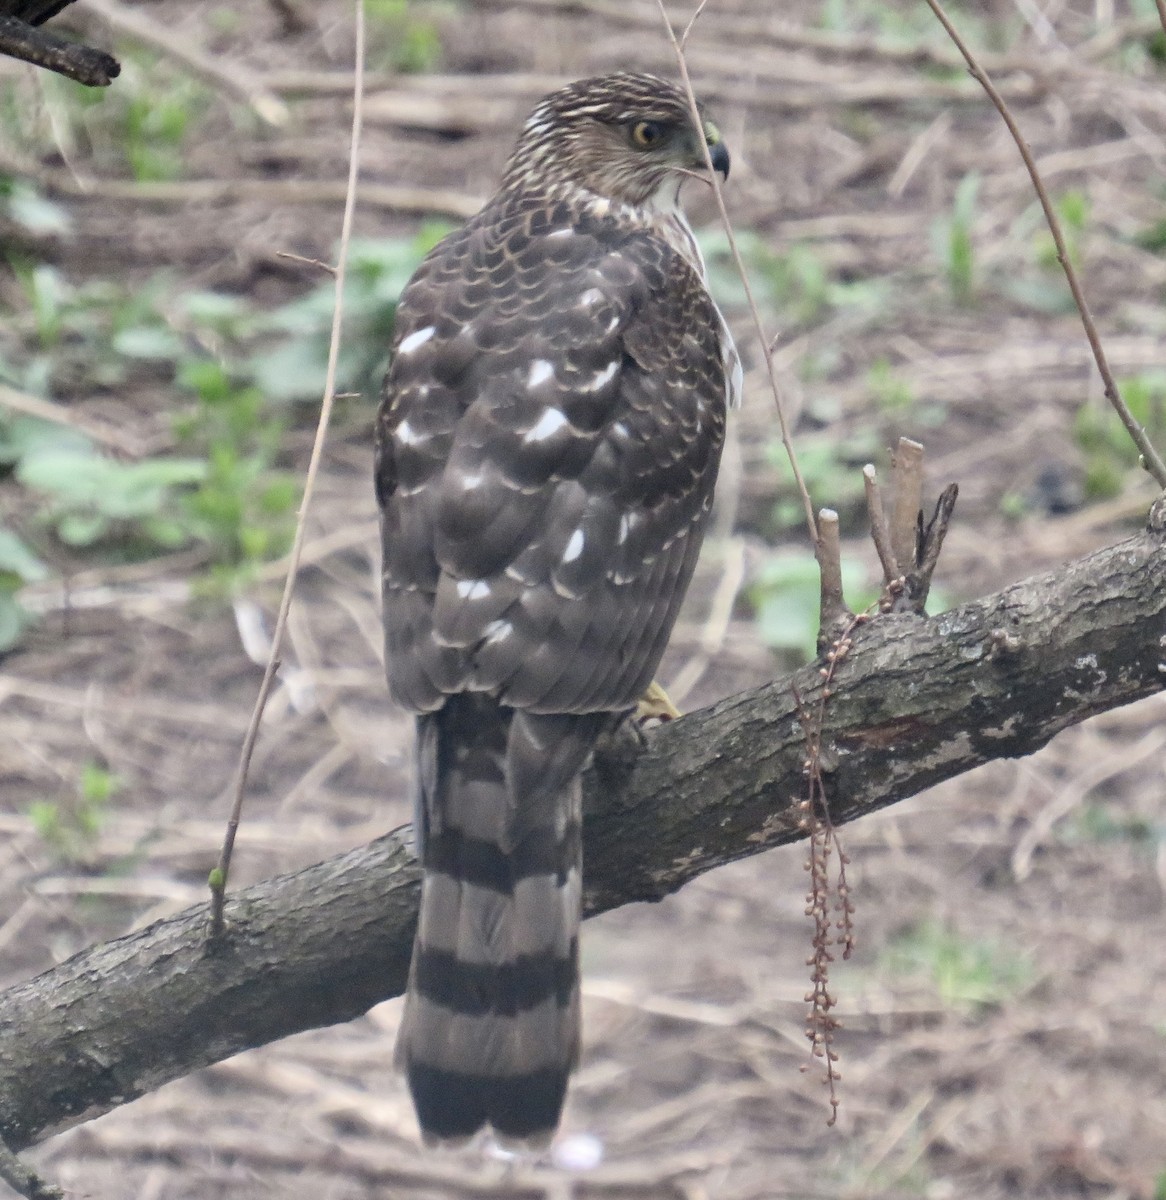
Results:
828 901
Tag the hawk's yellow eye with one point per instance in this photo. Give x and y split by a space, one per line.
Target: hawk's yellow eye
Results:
647 133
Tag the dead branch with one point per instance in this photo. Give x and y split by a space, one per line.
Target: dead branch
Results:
914 702
23 40
907 481
832 611
880 531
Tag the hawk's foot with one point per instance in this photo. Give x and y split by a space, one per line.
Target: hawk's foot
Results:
655 705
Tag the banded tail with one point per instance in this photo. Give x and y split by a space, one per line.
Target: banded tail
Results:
491 1028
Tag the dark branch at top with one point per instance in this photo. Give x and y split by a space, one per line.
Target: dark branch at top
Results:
21 38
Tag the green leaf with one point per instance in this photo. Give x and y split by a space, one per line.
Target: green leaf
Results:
21 437
13 620
75 529
1050 296
295 370
214 310
27 207
17 559
786 597
150 342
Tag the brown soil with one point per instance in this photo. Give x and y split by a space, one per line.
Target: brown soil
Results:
1005 1014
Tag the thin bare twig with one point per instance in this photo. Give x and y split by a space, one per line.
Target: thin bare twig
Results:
880 532
762 337
1161 13
219 875
1150 457
307 262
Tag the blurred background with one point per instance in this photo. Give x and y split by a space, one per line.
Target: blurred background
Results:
161 363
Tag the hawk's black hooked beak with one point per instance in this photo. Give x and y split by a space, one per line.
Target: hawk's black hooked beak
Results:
718 151
720 156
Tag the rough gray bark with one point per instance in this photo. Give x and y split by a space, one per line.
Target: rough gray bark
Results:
916 701
21 37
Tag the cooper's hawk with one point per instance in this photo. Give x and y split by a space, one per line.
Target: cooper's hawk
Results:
547 446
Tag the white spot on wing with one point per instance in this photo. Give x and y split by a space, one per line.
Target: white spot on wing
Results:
590 296
603 378
625 527
548 424
469 482
416 339
574 547
736 376
540 372
560 233
472 589
407 435
498 630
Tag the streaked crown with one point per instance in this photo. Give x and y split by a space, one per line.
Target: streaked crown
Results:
618 136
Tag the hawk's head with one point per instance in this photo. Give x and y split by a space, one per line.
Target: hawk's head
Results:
619 136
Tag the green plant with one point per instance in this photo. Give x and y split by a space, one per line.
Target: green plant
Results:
403 35
1153 237
100 331
951 238
18 566
1042 287
141 126
965 973
155 130
94 499
913 25
243 507
1013 505
896 399
294 365
795 284
236 365
71 827
891 392
785 598
1110 455
1072 208
47 295
830 468
25 206
1094 822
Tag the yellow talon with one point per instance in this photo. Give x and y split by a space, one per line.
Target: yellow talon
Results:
654 705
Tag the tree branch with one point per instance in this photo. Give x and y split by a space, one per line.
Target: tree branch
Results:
915 702
21 37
